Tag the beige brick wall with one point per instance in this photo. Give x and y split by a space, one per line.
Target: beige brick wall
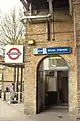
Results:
8 74
64 36
76 10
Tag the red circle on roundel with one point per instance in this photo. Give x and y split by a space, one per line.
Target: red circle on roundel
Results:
17 51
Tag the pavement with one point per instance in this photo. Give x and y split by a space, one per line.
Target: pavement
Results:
15 112
12 112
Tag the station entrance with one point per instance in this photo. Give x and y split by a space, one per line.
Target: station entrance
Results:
52 83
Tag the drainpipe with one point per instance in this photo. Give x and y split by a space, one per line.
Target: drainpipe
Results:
35 17
30 9
51 12
50 6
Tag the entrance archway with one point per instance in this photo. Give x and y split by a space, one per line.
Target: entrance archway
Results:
52 83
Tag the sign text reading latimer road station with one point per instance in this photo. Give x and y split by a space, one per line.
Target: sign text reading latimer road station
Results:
52 50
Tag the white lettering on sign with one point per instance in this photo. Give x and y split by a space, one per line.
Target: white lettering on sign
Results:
51 50
61 50
40 50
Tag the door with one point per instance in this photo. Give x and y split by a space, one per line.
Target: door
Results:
40 92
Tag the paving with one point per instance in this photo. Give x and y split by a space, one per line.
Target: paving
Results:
12 112
15 112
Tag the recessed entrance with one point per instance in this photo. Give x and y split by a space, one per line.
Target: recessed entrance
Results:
52 83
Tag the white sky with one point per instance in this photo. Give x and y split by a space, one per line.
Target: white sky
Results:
7 5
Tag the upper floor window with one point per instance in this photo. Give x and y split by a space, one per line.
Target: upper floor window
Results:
43 4
61 4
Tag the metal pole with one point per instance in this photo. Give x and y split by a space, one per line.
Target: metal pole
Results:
2 83
53 28
21 84
17 81
14 78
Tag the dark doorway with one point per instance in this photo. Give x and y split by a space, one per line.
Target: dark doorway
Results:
62 79
52 83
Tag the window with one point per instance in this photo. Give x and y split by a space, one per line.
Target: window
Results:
43 4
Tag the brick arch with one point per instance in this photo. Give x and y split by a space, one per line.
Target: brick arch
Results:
41 59
72 73
46 56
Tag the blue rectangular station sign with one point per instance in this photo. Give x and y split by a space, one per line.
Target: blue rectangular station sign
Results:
52 50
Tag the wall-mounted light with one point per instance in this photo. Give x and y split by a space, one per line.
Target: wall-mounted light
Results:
31 42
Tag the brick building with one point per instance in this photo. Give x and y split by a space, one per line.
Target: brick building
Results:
52 48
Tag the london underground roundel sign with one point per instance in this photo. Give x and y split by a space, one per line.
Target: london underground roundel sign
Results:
14 54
